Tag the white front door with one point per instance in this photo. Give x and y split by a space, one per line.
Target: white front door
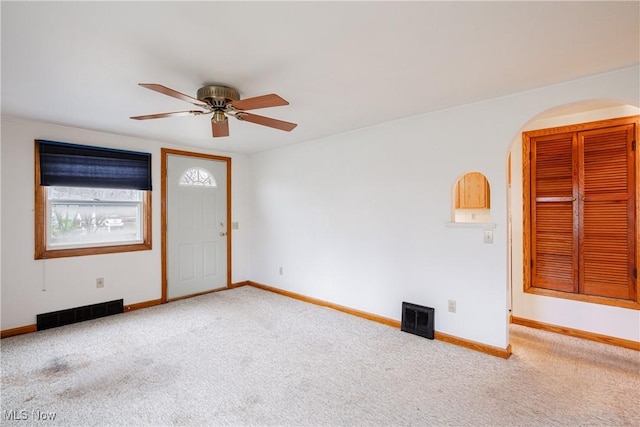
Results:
196 230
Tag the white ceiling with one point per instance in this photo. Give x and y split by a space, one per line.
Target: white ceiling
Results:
341 65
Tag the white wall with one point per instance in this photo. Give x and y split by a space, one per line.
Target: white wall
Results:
31 287
596 318
358 219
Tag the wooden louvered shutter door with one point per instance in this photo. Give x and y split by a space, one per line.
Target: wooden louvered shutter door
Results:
606 206
554 232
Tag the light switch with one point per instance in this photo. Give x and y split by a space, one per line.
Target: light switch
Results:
488 236
234 225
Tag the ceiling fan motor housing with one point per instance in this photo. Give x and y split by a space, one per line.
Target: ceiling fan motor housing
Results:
217 96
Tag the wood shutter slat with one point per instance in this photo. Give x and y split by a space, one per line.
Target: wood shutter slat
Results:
607 250
553 233
553 166
605 163
554 251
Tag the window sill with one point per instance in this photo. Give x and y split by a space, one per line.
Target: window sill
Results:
98 250
614 302
485 225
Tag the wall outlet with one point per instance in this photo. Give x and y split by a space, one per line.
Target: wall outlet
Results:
452 306
100 282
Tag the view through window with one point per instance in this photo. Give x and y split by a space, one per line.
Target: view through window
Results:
93 216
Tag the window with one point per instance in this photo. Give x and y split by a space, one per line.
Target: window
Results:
90 216
580 212
197 177
91 200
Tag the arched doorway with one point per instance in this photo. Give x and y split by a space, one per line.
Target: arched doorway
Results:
575 317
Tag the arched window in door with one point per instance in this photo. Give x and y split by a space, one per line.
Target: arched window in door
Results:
197 177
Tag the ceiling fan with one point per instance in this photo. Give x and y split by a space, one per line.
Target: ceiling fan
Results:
222 101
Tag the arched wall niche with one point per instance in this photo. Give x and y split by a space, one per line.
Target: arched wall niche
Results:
471 197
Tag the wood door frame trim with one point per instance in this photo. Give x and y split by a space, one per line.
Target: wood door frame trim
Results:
164 154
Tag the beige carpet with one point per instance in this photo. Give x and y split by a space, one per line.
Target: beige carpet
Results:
250 357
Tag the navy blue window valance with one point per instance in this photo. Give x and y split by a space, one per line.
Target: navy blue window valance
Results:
72 165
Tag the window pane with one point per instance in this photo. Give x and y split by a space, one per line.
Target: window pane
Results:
85 216
197 176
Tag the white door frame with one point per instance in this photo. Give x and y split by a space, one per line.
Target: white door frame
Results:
165 152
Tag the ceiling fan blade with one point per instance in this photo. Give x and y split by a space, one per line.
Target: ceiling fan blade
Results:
163 115
220 129
263 101
174 93
267 121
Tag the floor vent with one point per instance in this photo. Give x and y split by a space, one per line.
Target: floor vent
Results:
417 320
78 314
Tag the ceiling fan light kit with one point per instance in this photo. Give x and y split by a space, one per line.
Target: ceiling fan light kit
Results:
219 116
221 102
